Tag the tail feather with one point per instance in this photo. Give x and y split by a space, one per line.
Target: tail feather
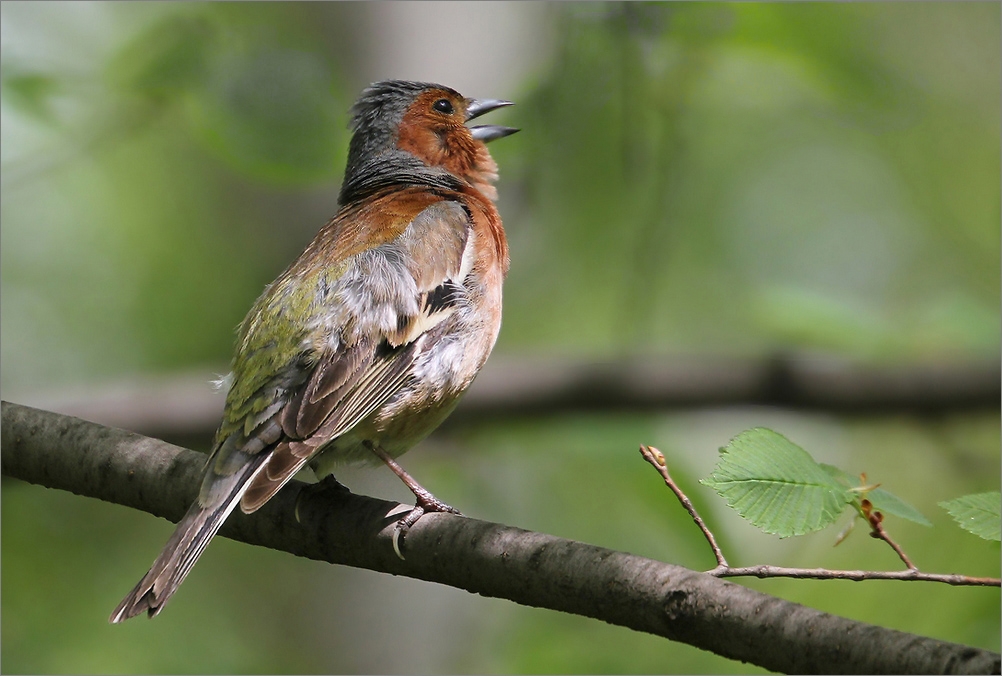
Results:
185 546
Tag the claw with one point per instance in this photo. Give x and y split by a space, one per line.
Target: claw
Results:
396 543
404 525
425 503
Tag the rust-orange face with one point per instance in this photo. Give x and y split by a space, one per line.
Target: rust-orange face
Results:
433 129
415 133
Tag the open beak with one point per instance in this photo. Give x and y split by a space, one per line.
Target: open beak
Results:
487 132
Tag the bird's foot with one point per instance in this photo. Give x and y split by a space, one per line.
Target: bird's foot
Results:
426 502
328 483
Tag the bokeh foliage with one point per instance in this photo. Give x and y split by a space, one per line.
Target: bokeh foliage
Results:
711 178
784 165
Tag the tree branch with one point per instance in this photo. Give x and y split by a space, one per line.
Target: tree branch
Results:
185 405
485 558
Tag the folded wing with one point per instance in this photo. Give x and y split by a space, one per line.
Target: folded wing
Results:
355 327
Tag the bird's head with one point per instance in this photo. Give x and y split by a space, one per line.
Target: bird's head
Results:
420 128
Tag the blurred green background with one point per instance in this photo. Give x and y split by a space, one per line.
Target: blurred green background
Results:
691 180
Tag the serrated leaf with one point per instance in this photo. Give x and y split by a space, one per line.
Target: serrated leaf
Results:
889 503
978 513
776 484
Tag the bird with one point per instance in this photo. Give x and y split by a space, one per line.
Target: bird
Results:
367 341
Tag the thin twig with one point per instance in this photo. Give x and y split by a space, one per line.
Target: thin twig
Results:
857 575
657 460
877 531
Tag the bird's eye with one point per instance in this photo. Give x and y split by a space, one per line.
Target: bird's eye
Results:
444 106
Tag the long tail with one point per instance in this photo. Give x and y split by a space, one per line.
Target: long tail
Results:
182 550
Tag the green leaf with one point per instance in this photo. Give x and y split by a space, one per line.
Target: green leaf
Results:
882 500
840 475
777 485
978 513
888 503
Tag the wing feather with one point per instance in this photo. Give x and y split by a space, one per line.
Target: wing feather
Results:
333 375
348 384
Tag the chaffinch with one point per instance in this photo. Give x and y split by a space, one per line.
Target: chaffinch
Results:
366 342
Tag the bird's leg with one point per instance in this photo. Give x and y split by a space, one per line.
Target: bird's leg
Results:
425 499
426 502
